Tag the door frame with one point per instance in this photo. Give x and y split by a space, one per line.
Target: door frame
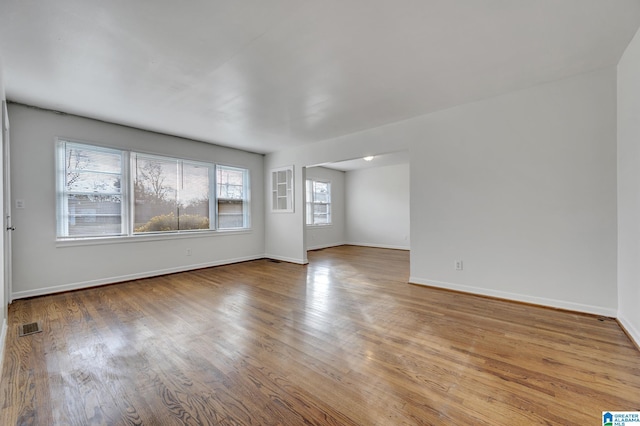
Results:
7 224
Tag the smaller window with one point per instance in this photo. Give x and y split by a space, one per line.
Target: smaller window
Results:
282 190
318 202
233 197
89 191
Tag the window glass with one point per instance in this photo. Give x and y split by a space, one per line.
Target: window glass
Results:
109 192
318 202
170 194
232 197
89 191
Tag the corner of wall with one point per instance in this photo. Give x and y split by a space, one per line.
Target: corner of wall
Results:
630 330
628 205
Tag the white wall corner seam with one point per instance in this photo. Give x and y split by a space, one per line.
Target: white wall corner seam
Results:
632 332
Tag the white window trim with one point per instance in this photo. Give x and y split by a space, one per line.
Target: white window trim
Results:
61 206
246 200
290 190
312 203
180 161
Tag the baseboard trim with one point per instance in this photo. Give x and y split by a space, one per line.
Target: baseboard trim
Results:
629 330
384 246
515 297
324 246
117 279
287 259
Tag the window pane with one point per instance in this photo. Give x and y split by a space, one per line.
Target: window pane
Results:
82 204
282 176
93 182
155 194
318 203
282 190
320 209
86 158
321 192
170 195
84 226
230 214
282 204
309 204
94 215
232 197
89 185
193 195
230 183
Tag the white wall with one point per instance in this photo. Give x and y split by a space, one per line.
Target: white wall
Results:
629 189
378 207
3 302
285 236
329 235
40 265
521 187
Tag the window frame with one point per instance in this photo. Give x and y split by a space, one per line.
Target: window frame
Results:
246 199
311 203
212 167
289 190
127 208
62 207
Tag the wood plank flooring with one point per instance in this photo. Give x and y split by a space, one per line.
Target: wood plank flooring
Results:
342 341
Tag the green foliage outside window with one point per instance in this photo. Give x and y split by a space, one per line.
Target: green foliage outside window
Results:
171 222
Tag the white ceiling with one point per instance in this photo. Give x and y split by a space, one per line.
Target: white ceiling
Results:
379 160
264 75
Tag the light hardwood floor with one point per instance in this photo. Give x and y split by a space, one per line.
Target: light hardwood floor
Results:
342 341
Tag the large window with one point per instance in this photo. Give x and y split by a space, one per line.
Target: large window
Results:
170 194
108 192
318 202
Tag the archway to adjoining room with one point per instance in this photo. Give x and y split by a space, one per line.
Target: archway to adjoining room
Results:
358 201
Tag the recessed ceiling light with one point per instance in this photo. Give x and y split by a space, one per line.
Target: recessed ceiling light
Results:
369 158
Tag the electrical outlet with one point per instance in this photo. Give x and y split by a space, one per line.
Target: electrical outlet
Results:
458 265
188 252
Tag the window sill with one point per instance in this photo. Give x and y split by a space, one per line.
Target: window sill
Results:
320 225
146 238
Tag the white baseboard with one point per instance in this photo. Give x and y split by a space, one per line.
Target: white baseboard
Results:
324 246
633 332
121 278
287 259
386 246
552 303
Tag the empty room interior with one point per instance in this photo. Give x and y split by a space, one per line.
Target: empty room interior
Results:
320 212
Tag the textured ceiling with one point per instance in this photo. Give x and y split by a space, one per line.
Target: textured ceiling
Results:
265 75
